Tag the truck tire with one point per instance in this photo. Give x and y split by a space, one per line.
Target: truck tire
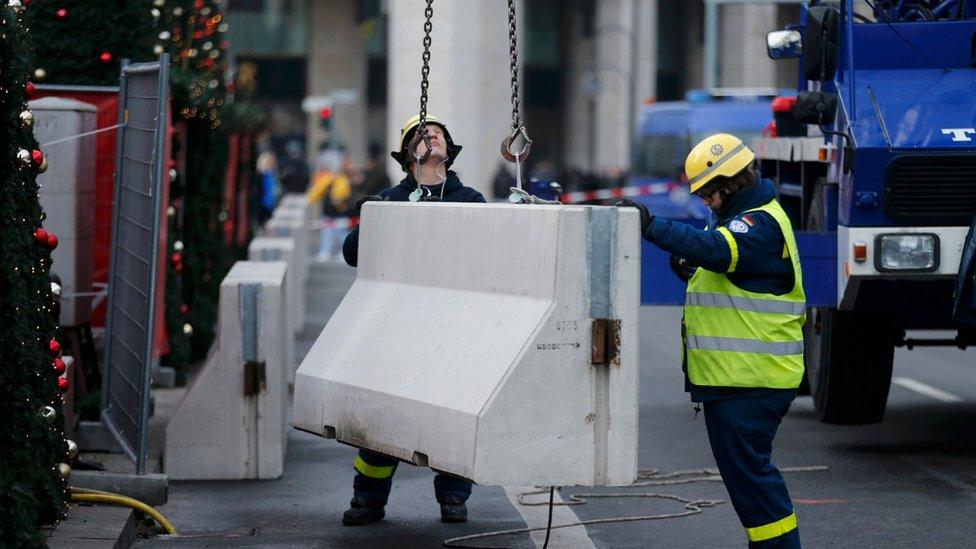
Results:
848 358
847 355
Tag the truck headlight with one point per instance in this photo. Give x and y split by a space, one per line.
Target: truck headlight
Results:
906 252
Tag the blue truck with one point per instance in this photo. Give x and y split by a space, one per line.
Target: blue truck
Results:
880 184
667 130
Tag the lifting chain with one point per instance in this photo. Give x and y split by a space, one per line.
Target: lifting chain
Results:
519 133
513 64
421 135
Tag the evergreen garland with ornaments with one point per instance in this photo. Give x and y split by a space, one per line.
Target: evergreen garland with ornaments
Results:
85 42
33 449
193 32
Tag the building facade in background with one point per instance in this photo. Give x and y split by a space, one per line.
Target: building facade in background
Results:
587 67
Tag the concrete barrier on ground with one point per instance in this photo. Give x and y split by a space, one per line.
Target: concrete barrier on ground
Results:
264 248
232 421
294 227
495 342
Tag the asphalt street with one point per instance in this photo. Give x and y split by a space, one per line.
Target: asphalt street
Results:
907 482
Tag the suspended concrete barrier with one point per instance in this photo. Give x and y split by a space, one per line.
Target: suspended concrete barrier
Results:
495 342
266 248
232 421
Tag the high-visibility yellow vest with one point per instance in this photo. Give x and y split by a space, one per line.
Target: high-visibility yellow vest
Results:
737 338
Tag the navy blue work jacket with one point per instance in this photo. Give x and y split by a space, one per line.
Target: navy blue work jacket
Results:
454 191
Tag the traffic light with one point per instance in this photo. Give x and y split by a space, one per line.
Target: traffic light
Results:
325 118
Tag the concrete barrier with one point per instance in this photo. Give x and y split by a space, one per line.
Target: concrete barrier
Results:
232 422
294 228
495 342
264 248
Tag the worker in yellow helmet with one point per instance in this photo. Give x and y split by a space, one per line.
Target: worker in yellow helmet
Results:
425 181
429 180
742 327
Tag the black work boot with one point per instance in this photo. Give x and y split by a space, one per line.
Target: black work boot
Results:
453 509
362 511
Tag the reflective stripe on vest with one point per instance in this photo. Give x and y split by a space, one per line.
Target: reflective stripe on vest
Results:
772 530
737 338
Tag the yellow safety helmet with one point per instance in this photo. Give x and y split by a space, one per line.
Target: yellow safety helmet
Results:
719 155
406 134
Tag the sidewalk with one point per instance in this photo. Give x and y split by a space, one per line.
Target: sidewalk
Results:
304 507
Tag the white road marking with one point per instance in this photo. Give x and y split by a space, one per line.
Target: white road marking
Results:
923 389
536 516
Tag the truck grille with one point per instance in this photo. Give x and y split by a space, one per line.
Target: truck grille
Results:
931 190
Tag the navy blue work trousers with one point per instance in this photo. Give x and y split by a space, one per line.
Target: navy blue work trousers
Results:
374 479
741 432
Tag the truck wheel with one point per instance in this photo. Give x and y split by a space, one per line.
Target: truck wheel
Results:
848 358
848 355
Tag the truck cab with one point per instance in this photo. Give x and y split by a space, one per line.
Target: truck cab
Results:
885 178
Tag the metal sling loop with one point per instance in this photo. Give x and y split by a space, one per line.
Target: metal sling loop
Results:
518 127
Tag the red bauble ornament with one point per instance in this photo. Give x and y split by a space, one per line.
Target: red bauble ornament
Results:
106 57
176 258
54 347
37 158
29 89
52 240
178 267
40 236
63 385
184 308
59 366
61 14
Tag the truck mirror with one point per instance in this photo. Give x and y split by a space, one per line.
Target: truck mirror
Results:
815 107
784 44
820 43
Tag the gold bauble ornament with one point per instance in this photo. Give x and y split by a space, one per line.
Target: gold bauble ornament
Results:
43 167
187 329
40 74
65 470
24 156
72 449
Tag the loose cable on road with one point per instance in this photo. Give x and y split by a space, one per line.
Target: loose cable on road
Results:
645 477
87 495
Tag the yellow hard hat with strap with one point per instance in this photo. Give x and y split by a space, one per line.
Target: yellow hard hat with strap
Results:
719 155
407 132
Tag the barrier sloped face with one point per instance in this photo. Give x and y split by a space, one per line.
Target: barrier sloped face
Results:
495 342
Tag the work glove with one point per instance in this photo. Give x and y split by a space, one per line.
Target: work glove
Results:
645 215
365 199
682 268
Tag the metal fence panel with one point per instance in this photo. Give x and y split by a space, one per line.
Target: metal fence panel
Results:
143 104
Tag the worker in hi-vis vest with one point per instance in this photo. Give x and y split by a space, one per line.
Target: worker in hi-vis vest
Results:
429 180
742 327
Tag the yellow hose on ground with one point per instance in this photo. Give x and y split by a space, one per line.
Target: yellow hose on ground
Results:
97 496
